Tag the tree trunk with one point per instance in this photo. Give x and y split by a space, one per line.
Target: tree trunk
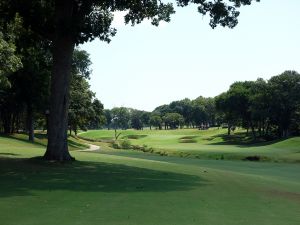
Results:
6 123
253 131
30 127
63 47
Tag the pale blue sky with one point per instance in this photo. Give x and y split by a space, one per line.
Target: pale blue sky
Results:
145 66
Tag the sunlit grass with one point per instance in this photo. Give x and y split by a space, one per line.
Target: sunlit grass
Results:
210 144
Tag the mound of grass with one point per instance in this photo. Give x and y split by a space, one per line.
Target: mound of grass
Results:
102 139
135 136
188 139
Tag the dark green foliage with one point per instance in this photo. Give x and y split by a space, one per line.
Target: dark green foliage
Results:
156 121
199 112
27 97
268 108
136 120
98 119
84 111
120 118
173 120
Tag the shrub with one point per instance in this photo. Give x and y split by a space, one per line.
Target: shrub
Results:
115 145
125 144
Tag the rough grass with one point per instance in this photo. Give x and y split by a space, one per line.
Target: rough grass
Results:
210 144
122 187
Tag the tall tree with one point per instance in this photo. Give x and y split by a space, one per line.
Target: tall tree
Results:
285 100
173 120
155 120
98 119
120 117
70 22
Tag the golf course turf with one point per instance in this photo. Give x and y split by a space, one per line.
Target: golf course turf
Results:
127 187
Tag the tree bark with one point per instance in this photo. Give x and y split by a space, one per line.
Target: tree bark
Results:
6 122
30 127
253 130
63 47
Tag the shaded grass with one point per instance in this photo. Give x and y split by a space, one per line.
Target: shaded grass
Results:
22 177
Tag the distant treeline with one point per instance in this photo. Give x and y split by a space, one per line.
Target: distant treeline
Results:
266 108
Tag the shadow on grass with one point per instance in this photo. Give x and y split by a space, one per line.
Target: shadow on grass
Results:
21 177
78 145
8 154
241 140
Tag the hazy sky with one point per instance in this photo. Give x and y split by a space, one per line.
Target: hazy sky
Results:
145 66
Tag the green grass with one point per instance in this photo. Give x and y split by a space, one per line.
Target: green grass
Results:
208 144
125 187
40 140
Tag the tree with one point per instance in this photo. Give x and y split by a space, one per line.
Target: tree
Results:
156 120
145 117
80 108
183 107
69 22
136 120
269 109
173 120
9 61
98 118
108 118
29 84
120 117
285 101
225 106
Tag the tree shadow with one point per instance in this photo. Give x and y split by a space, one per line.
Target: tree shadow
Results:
21 177
8 154
241 140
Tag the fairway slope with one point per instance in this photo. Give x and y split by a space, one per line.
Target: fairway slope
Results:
207 144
